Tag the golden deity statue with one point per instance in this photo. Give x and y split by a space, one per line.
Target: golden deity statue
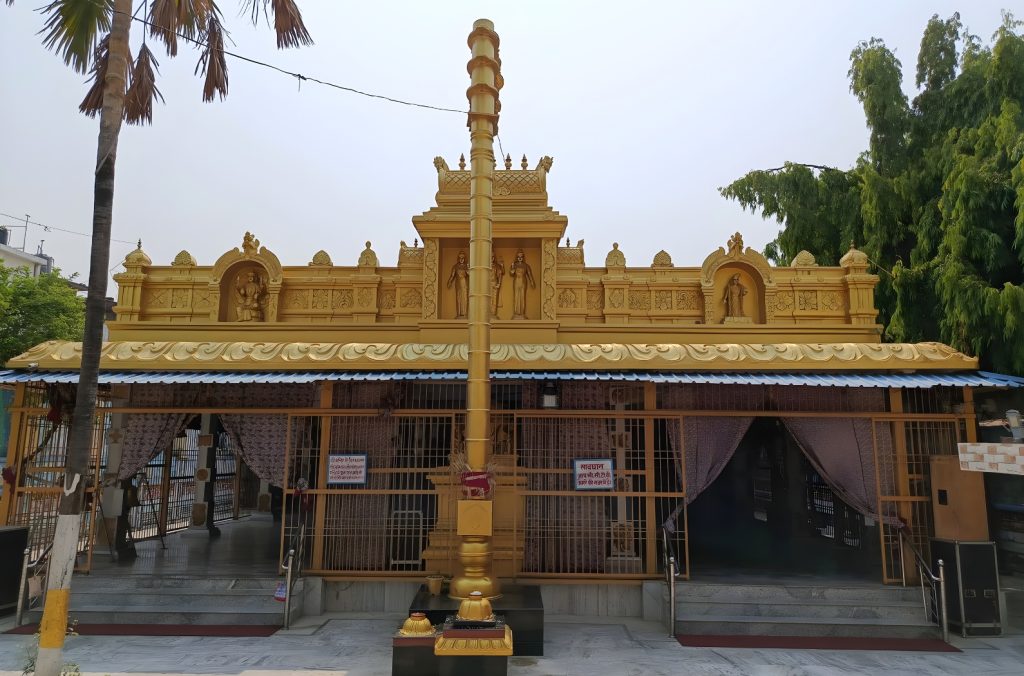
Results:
733 297
251 293
521 276
460 279
497 275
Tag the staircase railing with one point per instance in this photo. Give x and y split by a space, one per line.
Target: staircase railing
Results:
292 567
30 568
932 584
671 575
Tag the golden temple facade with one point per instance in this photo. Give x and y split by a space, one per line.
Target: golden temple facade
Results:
549 307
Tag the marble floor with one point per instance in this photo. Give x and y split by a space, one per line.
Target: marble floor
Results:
350 645
248 547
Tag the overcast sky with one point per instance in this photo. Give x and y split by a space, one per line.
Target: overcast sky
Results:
647 108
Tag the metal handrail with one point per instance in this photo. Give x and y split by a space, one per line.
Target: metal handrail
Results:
293 571
26 564
288 565
671 575
936 581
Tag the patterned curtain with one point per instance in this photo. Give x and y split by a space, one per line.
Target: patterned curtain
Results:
145 436
708 444
842 452
261 439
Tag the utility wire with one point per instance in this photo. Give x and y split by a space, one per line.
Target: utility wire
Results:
49 228
298 76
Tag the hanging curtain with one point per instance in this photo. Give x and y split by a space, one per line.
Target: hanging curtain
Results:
145 436
261 439
842 452
708 443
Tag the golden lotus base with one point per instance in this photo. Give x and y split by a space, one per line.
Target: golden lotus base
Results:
474 647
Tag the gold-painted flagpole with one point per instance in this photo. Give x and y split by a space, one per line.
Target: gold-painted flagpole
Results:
485 81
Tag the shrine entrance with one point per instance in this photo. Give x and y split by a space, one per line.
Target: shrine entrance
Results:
770 513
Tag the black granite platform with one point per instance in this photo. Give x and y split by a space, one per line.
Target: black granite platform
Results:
413 656
521 606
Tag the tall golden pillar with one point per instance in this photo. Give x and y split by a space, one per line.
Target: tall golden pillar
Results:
474 524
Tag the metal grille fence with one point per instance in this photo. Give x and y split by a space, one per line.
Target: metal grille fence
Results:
39 461
904 484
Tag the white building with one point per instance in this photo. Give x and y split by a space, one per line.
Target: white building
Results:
16 258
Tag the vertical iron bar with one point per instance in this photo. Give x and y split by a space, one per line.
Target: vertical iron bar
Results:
288 588
942 602
21 587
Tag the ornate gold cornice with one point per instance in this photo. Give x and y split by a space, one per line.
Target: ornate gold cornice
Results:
262 356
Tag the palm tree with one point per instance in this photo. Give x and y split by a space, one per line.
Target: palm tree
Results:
93 36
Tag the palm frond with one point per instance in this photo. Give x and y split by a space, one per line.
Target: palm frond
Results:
138 100
170 19
291 31
288 24
213 64
72 28
93 101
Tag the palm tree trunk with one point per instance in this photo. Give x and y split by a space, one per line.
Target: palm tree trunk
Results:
80 443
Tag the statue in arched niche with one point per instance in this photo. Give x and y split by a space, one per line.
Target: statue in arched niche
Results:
251 289
521 276
497 275
733 297
459 278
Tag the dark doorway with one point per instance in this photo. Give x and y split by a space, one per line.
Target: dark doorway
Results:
770 512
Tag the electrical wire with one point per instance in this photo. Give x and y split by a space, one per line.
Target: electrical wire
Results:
299 76
51 228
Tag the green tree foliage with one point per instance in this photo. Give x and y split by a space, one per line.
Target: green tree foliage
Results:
36 309
937 198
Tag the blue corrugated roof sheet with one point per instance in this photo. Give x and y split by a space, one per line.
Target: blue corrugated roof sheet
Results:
904 380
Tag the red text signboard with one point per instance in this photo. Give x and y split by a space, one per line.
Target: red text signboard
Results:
596 474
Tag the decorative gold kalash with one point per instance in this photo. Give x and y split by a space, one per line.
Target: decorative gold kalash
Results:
475 516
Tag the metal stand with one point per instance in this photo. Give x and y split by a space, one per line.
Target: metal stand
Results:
144 481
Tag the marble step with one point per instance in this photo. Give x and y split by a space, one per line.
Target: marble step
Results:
177 583
163 615
804 626
793 608
239 602
756 593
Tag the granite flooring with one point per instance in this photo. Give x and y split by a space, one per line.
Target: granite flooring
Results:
350 645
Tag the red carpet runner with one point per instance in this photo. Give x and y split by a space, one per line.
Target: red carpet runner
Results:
817 643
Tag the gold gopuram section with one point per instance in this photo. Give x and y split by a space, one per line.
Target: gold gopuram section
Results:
249 312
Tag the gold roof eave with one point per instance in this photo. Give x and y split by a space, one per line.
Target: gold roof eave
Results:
294 356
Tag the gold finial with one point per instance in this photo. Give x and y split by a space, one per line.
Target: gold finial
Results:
508 161
462 162
524 163
138 247
475 608
416 624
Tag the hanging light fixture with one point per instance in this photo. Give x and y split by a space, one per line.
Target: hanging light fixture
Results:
549 395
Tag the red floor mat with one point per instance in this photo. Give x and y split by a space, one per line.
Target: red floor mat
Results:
161 630
816 643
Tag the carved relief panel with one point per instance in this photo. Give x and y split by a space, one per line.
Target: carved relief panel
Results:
516 282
